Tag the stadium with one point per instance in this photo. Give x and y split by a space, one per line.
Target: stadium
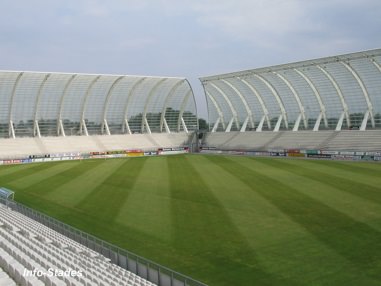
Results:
109 179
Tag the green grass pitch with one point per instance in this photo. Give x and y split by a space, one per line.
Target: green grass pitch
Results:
222 220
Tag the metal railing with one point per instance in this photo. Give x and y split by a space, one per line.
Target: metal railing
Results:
130 261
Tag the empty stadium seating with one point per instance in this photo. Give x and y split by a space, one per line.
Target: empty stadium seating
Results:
23 147
28 245
348 140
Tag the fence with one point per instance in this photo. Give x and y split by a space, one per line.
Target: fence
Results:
145 268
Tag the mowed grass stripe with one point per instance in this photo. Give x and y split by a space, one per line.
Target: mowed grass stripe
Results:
277 241
203 229
349 172
52 174
94 173
351 239
31 170
335 179
109 196
149 200
357 208
6 170
364 168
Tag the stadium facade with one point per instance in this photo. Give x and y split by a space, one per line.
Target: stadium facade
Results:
38 104
333 93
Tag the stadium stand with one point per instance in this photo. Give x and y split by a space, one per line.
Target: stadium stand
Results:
330 103
304 140
28 245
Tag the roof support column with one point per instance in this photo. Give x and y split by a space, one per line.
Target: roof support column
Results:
261 102
260 125
248 110
278 99
182 109
164 109
299 102
184 125
151 93
126 126
220 114
36 127
341 96
234 112
364 91
11 128
277 126
60 127
83 127
106 104
317 123
318 97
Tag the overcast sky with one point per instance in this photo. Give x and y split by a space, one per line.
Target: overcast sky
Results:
186 38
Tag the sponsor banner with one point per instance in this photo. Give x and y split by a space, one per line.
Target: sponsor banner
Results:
346 157
295 155
151 153
211 151
377 158
278 154
173 152
319 156
329 152
135 154
347 153
312 152
293 151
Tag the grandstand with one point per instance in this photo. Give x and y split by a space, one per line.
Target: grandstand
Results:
330 103
320 107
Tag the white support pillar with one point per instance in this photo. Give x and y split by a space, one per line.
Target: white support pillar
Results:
106 104
184 125
167 130
298 100
340 122
182 109
146 126
167 99
12 133
231 106
240 95
11 130
36 129
260 125
83 127
220 114
126 126
105 126
230 125
260 100
317 123
151 93
297 123
244 125
277 97
279 122
215 126
60 127
364 91
365 121
340 95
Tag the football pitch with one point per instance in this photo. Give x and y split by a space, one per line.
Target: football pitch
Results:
223 220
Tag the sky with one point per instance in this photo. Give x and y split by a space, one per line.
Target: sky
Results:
180 38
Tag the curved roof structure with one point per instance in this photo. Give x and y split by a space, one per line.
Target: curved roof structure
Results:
328 93
62 104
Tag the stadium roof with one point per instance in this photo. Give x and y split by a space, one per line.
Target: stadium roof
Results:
51 104
329 93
